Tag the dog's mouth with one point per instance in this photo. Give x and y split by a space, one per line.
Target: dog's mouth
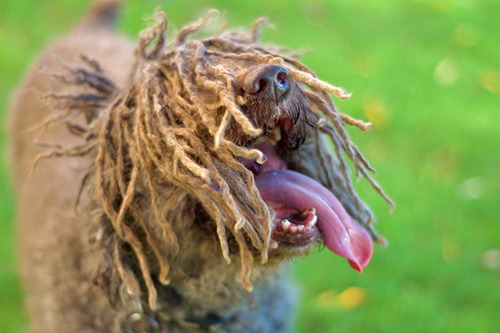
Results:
304 208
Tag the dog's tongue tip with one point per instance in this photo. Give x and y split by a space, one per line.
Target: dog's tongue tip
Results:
359 251
362 247
355 265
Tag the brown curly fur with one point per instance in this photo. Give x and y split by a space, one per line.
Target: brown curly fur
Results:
160 188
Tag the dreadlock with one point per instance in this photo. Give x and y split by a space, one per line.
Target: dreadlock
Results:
162 141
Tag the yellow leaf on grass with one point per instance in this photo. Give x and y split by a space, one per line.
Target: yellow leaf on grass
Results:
490 80
352 297
451 250
446 72
465 35
376 111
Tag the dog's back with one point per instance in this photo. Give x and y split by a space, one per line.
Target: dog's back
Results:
49 236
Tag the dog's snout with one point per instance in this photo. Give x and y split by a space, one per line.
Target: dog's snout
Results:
268 81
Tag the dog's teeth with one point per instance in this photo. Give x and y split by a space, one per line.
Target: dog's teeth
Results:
301 228
308 212
293 229
312 223
260 140
308 215
277 135
285 224
274 137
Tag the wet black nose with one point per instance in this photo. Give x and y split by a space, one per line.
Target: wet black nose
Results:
268 81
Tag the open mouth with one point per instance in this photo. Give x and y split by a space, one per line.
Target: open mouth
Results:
304 208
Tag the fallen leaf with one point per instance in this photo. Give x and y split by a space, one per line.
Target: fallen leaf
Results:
446 72
451 250
472 188
376 111
352 297
490 80
465 35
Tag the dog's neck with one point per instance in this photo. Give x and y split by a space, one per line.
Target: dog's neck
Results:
205 292
184 302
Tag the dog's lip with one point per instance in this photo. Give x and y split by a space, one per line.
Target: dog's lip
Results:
295 240
342 235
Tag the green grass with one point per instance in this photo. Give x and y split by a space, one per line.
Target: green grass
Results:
427 73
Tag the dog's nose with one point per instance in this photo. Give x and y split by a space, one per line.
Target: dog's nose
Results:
268 81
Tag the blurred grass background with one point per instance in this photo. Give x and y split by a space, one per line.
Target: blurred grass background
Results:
427 74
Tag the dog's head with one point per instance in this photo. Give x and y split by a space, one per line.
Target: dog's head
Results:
222 141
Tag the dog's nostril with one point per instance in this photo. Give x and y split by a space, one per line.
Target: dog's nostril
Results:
262 86
268 81
282 79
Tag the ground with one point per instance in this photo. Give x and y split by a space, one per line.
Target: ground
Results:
426 73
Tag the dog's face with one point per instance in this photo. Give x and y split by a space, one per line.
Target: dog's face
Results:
277 105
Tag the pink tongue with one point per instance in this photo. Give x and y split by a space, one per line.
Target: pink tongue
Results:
342 234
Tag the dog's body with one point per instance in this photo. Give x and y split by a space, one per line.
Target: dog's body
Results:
194 289
56 264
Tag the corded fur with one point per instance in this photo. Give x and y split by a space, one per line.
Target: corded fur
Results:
175 134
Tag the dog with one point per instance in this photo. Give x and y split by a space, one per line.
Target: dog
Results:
171 182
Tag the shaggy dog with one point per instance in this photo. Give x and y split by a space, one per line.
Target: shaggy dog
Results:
176 179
